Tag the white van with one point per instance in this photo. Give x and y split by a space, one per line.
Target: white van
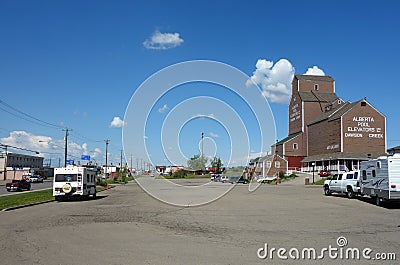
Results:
74 181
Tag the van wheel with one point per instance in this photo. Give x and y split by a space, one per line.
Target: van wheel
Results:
350 193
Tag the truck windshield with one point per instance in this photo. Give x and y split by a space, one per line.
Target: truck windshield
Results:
65 177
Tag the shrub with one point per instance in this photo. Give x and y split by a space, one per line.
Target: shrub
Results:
101 182
180 174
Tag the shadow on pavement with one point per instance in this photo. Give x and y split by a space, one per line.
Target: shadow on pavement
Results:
78 198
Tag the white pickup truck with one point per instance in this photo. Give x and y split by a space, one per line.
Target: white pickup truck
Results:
346 183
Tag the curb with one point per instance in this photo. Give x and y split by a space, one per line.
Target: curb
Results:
26 205
31 204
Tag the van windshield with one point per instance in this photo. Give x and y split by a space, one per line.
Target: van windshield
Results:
65 177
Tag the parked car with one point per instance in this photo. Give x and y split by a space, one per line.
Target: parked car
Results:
224 179
18 185
324 173
26 177
233 180
347 183
36 178
238 180
216 178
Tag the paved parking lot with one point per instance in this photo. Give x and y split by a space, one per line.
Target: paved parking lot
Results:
127 226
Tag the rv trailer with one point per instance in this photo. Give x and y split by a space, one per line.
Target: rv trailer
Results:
380 178
74 181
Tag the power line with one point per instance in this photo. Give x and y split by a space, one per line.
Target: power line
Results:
19 148
51 153
18 116
23 115
84 138
45 123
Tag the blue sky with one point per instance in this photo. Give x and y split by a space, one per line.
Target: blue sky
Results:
77 64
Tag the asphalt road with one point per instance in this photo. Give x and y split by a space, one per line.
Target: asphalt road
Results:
127 226
47 184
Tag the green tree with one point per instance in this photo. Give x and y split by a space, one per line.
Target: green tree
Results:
197 162
216 163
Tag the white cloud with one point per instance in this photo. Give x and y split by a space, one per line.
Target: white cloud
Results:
117 123
163 109
314 71
163 41
47 147
214 135
94 153
26 140
275 80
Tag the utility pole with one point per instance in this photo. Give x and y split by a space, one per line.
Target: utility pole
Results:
5 164
107 141
120 168
137 164
131 163
66 146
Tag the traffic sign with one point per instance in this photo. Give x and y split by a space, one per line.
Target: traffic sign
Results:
70 162
85 157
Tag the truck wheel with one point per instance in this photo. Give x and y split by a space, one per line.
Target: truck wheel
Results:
94 196
327 191
378 201
350 193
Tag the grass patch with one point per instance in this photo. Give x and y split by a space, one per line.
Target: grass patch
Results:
100 188
318 182
26 198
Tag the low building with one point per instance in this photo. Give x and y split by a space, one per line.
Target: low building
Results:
268 166
13 166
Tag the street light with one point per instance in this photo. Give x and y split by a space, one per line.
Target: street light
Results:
52 153
313 167
202 138
202 153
